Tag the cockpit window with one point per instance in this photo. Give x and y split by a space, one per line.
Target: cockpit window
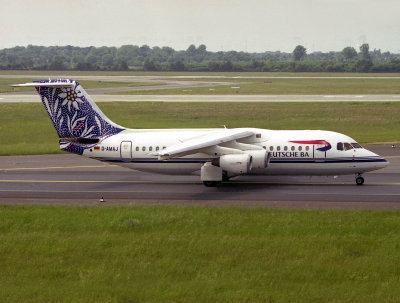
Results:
356 145
347 146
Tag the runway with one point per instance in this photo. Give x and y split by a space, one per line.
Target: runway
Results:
73 180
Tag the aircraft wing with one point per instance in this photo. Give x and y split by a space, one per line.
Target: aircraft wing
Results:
210 140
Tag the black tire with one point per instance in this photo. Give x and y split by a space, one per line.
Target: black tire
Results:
359 180
211 183
225 178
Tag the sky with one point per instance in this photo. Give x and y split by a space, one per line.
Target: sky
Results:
247 25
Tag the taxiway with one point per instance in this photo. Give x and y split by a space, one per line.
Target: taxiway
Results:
73 180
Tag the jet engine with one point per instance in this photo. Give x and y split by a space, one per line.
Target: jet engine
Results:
260 158
236 164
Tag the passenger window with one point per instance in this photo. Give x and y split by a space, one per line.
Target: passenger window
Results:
137 148
144 148
278 148
150 148
300 148
285 148
271 148
157 148
307 148
292 148
339 146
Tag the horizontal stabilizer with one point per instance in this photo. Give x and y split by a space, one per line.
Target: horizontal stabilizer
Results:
48 83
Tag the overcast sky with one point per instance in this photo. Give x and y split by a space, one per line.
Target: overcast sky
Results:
247 25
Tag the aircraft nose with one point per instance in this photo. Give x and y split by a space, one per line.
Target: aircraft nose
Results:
383 162
380 162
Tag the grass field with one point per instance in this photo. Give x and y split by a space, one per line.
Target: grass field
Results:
25 128
271 86
176 254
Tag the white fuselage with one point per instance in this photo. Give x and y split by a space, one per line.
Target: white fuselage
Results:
304 152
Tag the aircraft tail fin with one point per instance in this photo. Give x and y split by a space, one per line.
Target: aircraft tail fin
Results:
79 122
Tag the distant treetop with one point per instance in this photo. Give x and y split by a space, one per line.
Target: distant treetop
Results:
194 58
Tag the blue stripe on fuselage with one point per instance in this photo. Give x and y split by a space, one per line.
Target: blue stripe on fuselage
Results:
276 160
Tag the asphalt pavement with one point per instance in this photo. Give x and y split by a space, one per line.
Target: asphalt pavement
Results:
68 179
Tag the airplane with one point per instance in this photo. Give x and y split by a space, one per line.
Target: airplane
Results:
215 154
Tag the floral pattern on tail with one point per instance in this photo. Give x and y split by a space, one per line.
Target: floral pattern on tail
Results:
74 115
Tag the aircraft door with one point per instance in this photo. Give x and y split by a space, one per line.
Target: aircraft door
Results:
319 152
126 150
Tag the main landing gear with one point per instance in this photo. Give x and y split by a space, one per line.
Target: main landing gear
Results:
211 183
211 175
225 177
359 180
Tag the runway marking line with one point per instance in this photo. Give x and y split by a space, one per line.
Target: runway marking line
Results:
193 182
55 167
94 181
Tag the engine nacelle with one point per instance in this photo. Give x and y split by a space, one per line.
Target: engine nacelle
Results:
236 164
260 158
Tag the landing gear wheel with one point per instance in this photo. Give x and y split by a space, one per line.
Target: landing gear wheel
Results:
211 183
359 180
225 177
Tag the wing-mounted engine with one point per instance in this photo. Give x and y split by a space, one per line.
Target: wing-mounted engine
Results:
244 162
235 164
260 158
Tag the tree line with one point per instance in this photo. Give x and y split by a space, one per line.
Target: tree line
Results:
133 57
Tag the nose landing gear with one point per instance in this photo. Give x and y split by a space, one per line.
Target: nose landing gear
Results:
359 179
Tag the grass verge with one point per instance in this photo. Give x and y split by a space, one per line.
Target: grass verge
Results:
175 254
271 86
25 128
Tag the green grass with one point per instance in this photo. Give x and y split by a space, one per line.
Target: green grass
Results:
25 128
285 87
176 254
6 82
